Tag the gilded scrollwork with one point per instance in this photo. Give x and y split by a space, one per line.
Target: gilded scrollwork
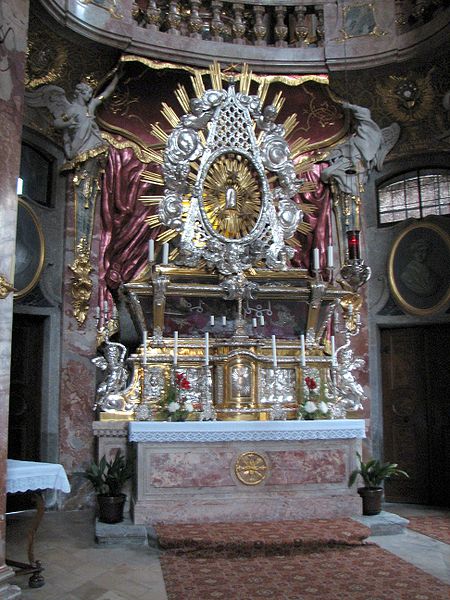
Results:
81 288
5 287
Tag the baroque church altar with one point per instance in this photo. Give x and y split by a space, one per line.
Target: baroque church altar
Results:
236 403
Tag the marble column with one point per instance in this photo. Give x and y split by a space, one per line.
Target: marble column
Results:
13 41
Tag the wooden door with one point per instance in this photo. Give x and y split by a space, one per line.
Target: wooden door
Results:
24 431
416 412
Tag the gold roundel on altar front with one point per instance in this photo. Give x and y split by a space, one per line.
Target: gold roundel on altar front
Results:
250 468
232 196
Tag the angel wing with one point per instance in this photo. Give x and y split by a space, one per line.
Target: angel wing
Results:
390 137
51 97
100 362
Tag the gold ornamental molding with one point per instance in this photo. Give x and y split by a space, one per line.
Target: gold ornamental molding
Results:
251 468
5 287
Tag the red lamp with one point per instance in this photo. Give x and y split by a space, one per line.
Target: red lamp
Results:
353 244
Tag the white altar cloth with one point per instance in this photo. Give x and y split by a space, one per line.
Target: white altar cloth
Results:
220 431
24 475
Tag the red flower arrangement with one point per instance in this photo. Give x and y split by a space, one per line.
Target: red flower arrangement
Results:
310 383
182 381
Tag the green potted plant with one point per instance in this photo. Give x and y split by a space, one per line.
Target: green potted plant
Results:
108 479
373 473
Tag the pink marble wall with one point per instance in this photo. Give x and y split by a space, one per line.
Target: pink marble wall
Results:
14 25
78 378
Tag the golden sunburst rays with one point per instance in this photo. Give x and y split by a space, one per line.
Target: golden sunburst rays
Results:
232 197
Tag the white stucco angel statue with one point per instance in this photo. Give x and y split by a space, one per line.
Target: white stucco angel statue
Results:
352 161
76 118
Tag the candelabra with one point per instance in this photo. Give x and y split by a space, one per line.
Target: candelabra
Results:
277 412
208 412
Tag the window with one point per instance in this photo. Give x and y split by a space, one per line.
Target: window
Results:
36 170
415 194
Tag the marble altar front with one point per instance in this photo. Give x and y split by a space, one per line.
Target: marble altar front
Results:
244 471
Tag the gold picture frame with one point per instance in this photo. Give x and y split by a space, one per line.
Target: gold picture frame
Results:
30 250
419 268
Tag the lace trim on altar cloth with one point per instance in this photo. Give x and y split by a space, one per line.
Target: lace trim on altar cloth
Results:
246 431
23 476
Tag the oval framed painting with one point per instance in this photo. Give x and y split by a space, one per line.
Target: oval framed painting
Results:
30 250
419 269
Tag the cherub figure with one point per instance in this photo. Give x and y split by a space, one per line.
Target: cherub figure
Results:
76 119
350 392
109 392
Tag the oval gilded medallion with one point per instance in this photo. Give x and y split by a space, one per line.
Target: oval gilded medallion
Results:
250 468
232 196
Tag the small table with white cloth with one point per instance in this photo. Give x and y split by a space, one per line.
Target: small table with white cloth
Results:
26 476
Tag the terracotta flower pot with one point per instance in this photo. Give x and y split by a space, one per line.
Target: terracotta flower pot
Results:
371 500
110 508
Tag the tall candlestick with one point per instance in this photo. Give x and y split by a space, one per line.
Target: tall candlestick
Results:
175 348
274 352
330 257
144 343
316 259
165 256
303 354
333 350
206 349
151 250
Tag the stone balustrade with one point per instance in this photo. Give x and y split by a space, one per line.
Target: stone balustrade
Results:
246 23
278 37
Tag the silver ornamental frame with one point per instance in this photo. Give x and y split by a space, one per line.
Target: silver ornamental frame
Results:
227 120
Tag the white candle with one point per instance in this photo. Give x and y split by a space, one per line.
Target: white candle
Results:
165 256
206 349
105 306
254 322
151 250
316 259
114 312
303 354
333 350
330 257
97 312
224 321
274 351
19 186
350 310
261 320
144 343
212 320
175 348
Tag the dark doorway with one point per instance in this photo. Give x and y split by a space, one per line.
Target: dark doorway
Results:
415 365
24 430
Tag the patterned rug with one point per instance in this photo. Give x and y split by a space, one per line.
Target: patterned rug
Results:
349 573
260 538
436 527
